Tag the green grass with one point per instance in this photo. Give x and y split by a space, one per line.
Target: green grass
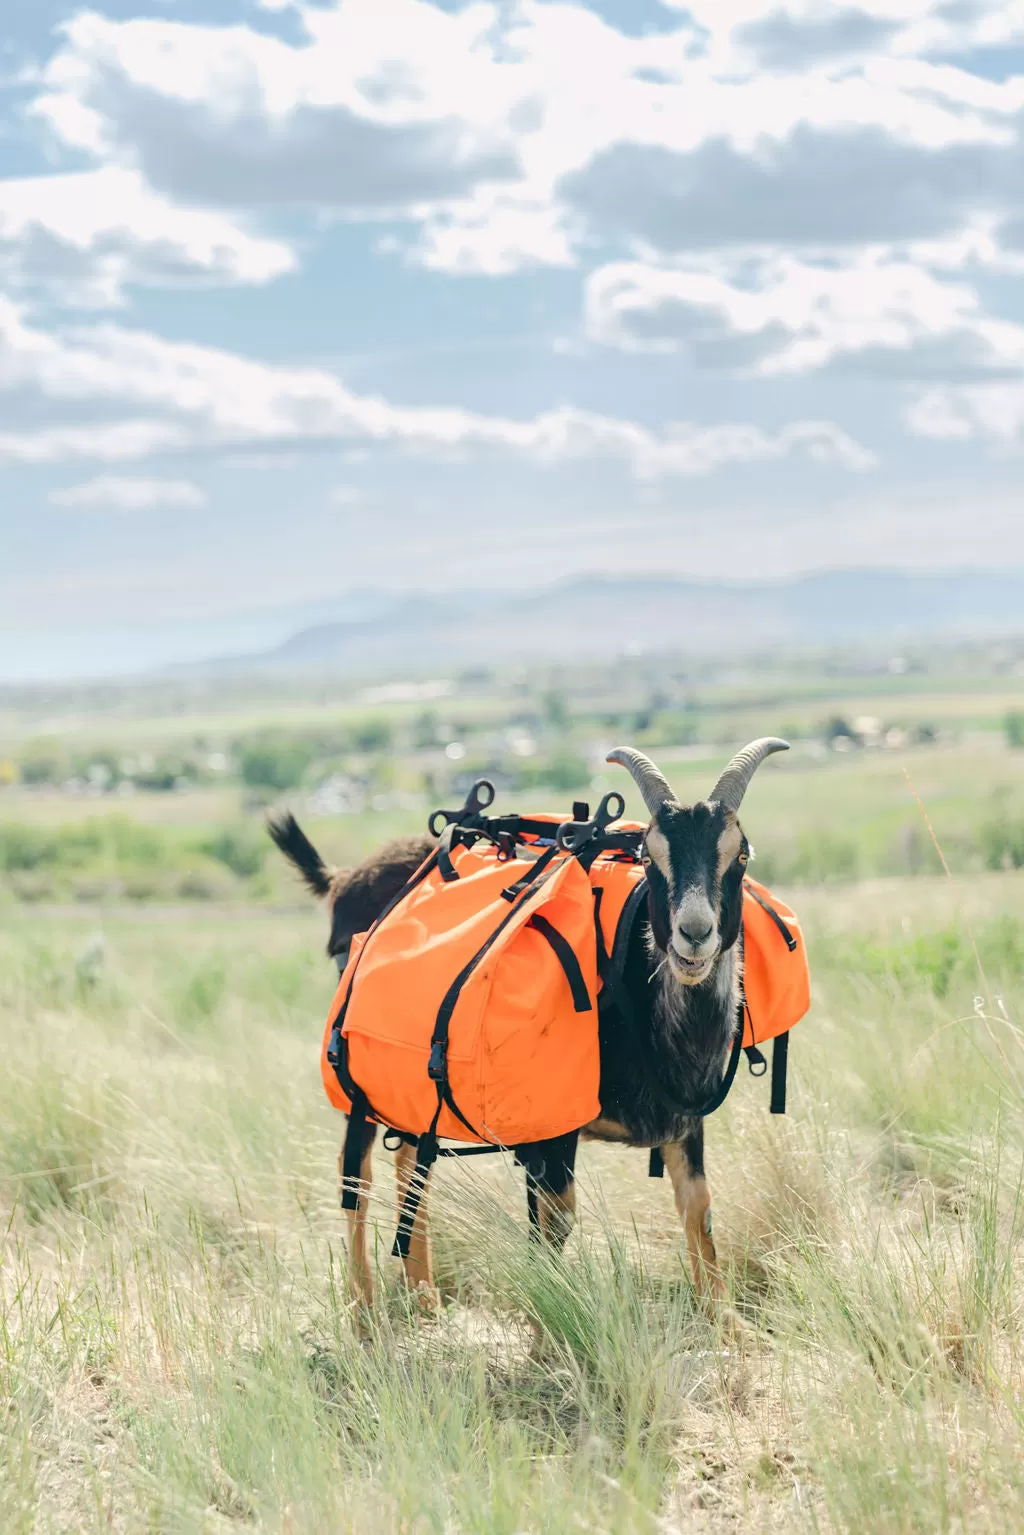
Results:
176 1347
208 847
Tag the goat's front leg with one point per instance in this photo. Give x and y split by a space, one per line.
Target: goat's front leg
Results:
418 1266
684 1160
360 1274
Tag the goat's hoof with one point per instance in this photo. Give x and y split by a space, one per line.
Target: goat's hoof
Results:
427 1298
734 1329
362 1319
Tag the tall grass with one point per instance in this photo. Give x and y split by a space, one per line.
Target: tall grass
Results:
177 1350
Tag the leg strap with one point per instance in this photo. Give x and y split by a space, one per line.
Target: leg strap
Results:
426 1156
780 1058
352 1156
531 1209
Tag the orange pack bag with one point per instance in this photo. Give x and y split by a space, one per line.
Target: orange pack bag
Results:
483 978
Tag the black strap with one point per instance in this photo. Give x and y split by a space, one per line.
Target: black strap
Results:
656 1165
426 1156
532 1208
783 929
566 955
447 869
352 1155
513 892
780 1060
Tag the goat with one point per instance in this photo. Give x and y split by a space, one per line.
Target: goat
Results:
681 981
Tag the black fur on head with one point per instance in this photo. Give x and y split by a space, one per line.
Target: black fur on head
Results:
694 856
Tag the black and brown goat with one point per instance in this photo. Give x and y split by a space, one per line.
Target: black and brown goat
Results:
681 981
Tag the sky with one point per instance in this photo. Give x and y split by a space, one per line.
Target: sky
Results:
300 299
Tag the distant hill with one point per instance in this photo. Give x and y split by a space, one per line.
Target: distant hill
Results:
607 616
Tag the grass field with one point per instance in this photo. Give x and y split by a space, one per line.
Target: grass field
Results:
177 1352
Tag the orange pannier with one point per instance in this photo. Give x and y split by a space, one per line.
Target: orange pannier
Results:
470 1009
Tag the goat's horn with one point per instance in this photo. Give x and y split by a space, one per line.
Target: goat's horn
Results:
734 782
654 786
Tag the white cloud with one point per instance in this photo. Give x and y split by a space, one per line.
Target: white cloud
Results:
478 125
86 234
107 442
112 492
497 232
384 107
782 314
186 396
989 411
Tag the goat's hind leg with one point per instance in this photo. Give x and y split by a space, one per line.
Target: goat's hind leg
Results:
418 1266
684 1160
551 1187
360 1271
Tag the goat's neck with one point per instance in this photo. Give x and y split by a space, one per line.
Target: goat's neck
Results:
708 1011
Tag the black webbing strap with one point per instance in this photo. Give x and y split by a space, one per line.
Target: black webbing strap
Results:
426 1156
780 1060
764 905
532 1209
446 868
656 1165
352 1155
513 892
566 956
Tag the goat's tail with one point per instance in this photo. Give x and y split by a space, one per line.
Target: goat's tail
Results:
297 848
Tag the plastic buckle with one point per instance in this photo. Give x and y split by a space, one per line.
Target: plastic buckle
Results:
437 1066
334 1048
572 836
479 799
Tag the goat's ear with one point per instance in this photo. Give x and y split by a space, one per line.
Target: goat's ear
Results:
731 913
656 917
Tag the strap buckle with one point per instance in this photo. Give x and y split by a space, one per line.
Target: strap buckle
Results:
437 1066
572 836
334 1047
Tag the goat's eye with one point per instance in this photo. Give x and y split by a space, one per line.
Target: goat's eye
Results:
743 859
645 859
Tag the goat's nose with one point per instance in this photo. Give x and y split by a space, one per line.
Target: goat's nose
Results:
696 930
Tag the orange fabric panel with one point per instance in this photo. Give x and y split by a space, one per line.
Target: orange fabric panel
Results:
522 1061
776 980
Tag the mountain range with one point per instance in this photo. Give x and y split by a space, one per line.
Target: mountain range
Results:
601 617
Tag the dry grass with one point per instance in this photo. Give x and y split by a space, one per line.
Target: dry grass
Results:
176 1350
